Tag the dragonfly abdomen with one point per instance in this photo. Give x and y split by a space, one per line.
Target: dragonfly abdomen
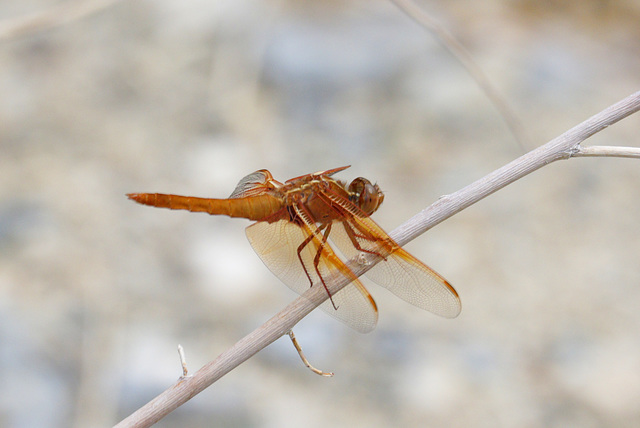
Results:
252 208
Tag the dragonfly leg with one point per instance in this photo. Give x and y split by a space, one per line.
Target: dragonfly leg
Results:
353 236
316 258
304 359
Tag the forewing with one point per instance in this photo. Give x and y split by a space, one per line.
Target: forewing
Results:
277 244
327 173
400 272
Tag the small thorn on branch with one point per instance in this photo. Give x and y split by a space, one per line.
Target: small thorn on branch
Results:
183 362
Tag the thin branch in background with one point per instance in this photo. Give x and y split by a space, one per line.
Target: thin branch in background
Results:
56 16
461 54
563 147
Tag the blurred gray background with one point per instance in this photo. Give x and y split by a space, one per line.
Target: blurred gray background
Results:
189 96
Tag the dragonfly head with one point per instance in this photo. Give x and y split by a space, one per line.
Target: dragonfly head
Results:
368 197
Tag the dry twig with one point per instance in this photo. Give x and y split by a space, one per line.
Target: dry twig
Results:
460 53
565 146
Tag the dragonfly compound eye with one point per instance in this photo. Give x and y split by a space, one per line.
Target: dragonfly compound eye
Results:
366 195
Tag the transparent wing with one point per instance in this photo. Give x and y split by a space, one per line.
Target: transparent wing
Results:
254 184
400 272
277 245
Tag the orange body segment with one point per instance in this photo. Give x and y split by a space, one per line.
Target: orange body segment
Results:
252 208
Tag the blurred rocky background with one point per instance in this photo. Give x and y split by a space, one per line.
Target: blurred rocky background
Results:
189 96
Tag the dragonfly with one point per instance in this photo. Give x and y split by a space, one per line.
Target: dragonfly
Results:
299 224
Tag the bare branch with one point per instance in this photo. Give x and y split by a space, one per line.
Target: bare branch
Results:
563 147
304 359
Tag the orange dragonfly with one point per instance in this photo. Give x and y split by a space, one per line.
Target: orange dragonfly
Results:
295 223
